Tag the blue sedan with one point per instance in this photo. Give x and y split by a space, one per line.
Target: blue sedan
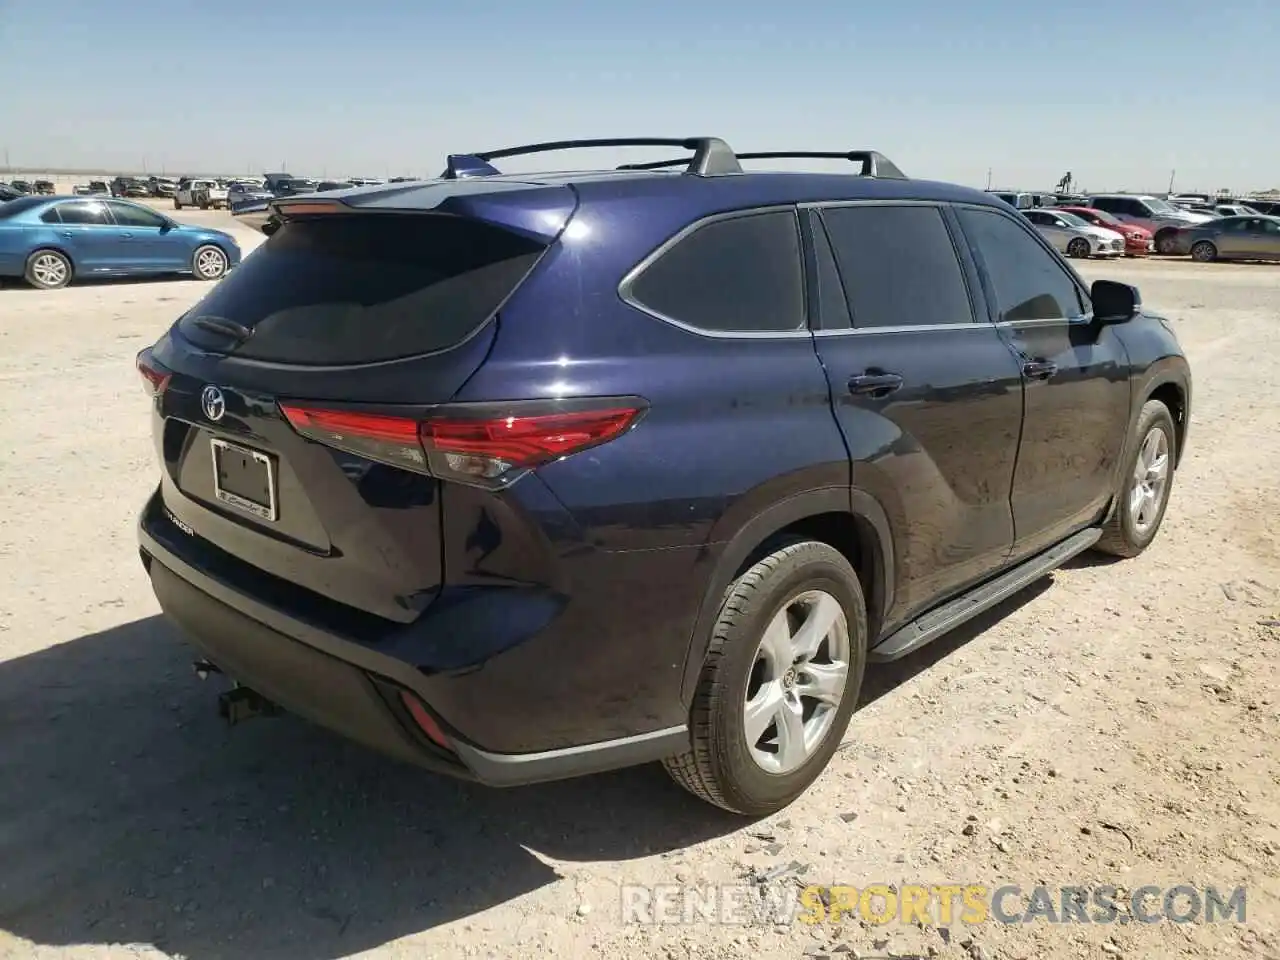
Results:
51 240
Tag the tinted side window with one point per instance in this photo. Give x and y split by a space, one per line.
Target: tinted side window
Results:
833 308
90 212
898 265
737 275
1027 283
1109 204
51 216
130 216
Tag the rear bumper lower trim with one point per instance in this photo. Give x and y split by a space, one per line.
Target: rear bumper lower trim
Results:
508 769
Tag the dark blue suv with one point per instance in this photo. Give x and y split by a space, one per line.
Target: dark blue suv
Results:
525 477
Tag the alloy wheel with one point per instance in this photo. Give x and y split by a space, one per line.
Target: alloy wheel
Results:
797 681
1150 480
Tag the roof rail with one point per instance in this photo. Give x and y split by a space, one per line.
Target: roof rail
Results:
873 164
711 155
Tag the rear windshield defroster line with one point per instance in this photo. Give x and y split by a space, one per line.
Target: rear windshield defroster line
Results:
364 288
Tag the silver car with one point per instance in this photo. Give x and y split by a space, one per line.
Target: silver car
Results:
1075 236
1231 238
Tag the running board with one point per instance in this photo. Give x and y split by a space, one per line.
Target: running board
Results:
950 615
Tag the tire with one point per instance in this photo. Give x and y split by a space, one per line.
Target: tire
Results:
1166 242
209 262
48 270
798 581
1204 252
1131 529
1079 248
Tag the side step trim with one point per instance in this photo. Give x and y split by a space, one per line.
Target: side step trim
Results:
950 615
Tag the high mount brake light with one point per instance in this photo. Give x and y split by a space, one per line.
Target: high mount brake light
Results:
463 444
154 376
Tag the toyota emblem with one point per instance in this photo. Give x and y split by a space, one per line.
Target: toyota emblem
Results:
213 403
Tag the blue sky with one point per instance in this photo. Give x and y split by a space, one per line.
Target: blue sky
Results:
1118 92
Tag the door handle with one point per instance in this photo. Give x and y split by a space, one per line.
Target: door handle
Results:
1039 369
874 384
127 236
67 234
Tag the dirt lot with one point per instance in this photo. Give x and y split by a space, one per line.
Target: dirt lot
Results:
1113 724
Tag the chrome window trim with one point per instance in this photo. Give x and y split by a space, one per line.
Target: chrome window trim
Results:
626 294
907 328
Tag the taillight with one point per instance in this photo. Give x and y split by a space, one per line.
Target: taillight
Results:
155 377
470 445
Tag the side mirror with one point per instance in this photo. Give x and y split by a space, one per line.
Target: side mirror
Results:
1114 302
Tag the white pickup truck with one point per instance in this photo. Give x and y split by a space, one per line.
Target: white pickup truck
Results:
199 193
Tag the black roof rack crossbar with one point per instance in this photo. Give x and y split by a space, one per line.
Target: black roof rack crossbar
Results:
711 155
873 164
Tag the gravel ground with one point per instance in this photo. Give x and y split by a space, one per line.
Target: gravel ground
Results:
1112 724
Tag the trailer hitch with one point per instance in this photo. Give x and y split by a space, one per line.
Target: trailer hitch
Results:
240 703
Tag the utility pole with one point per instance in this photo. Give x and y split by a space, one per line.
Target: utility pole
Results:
1171 174
988 178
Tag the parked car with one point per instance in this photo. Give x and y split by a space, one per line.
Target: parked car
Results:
1235 210
241 193
547 547
1230 238
51 241
43 188
7 193
91 188
1151 213
130 187
1138 241
204 194
287 185
21 186
162 186
1015 199
1075 236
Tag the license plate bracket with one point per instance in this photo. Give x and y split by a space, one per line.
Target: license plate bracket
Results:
245 479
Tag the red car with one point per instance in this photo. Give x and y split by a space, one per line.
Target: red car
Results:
1138 241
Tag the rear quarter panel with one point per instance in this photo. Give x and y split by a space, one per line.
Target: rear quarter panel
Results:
18 238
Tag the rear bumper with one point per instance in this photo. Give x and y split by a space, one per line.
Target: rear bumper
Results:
351 689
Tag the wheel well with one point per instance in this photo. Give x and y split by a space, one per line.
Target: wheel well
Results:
853 537
1170 394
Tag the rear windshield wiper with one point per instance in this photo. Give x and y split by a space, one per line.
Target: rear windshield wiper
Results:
227 328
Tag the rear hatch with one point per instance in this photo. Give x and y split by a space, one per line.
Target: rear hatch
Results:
381 309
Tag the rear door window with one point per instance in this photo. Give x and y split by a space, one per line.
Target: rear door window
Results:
85 212
361 288
898 265
738 275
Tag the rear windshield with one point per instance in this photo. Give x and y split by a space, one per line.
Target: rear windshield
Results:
14 207
356 288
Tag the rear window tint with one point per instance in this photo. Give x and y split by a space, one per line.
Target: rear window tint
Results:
347 289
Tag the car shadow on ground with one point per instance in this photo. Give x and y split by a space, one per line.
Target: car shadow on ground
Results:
131 814
883 678
151 279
